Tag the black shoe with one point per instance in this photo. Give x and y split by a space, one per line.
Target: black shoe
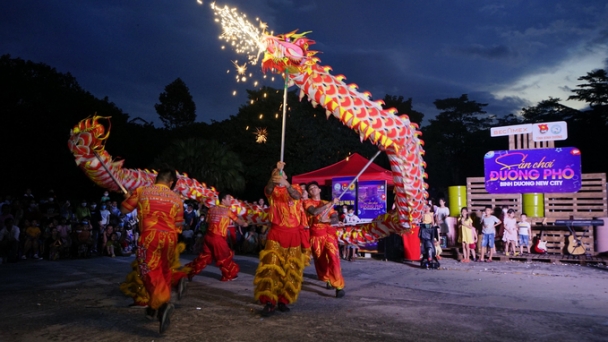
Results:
328 286
190 277
268 310
181 288
283 307
164 317
340 293
150 313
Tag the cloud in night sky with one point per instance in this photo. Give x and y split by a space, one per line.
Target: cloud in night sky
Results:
508 54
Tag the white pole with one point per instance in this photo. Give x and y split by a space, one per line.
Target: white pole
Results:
360 173
284 117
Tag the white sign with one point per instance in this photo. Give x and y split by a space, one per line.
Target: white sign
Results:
550 131
510 130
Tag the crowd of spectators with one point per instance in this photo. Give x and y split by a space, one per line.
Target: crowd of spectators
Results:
50 228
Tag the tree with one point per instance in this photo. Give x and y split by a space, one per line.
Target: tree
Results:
403 107
454 138
547 111
206 161
176 107
595 91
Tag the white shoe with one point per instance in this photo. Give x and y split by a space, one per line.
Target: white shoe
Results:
23 257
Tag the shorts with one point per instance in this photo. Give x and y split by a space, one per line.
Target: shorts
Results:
524 240
488 240
472 245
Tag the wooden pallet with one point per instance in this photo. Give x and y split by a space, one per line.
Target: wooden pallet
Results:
478 198
587 203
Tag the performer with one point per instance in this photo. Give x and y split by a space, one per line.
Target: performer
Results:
215 245
161 213
305 228
324 241
278 279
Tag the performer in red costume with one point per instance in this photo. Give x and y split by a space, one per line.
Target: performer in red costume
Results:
214 242
278 279
305 228
323 239
161 213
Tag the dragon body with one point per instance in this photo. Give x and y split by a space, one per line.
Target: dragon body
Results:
289 54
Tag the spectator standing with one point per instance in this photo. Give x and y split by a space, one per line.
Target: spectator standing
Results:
510 232
82 211
6 214
32 236
105 197
466 236
63 231
4 244
50 209
489 223
96 225
525 231
13 239
189 216
441 214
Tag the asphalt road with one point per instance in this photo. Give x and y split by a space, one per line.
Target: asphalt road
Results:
79 300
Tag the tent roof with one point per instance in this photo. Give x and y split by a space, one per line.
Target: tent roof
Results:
349 167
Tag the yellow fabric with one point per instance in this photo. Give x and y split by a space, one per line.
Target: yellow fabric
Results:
279 272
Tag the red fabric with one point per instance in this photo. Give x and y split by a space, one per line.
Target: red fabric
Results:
346 168
215 247
305 237
219 218
327 257
158 208
155 254
285 236
411 244
284 210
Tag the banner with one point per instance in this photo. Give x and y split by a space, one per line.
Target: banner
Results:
338 186
372 199
544 170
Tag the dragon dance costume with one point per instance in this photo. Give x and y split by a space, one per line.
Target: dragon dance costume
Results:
215 245
324 246
161 213
278 277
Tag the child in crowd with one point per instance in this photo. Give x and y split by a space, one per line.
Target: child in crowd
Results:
510 233
525 231
489 223
473 245
32 234
466 237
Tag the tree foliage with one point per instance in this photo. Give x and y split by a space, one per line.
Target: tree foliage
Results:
176 108
403 107
594 91
206 161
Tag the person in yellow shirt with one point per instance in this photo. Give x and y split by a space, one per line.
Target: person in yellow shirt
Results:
32 234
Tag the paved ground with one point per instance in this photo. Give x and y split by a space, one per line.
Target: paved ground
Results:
79 300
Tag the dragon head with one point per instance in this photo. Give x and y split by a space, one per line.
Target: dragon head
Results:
289 51
92 132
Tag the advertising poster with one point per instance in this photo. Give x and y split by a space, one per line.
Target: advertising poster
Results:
545 170
339 185
372 199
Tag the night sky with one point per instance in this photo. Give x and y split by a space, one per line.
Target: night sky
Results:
509 54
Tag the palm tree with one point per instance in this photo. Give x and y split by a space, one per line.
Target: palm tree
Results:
206 161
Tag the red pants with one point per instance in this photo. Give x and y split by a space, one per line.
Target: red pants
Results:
156 255
324 245
305 243
215 247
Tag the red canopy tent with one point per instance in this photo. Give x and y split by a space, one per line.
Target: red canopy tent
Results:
349 167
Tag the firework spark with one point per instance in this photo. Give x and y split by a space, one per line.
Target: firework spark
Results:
261 135
240 33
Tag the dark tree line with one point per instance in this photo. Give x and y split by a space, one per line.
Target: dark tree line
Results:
39 106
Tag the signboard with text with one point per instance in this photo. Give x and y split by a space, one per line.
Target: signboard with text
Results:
545 170
541 131
372 199
339 185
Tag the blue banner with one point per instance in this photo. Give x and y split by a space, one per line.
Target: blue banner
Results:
543 170
339 185
372 199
